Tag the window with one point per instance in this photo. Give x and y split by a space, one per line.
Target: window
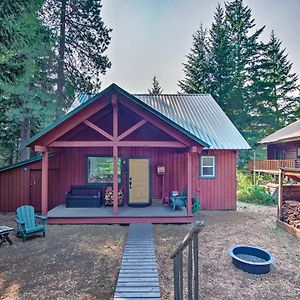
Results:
208 166
298 152
278 154
101 169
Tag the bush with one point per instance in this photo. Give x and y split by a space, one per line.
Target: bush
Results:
250 193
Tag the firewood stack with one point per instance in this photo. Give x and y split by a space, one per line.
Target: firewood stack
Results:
109 196
290 213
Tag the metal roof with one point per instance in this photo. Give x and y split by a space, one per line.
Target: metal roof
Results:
199 114
289 133
24 162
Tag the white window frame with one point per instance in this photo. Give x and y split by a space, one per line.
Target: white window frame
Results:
202 166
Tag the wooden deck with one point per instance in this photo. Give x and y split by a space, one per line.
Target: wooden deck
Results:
104 215
271 166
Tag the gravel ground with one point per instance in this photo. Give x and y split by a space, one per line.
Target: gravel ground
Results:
219 279
72 262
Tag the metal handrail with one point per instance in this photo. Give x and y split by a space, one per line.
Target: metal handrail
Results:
190 241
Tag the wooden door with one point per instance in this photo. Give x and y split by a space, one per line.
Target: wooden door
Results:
35 189
139 182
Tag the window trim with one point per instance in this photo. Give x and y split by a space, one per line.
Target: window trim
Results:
87 170
201 167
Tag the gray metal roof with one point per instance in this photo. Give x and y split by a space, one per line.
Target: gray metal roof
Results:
199 114
289 133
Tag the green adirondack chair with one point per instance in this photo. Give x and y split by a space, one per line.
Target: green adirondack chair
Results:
27 222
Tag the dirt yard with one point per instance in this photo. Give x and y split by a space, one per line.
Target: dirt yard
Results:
251 225
72 262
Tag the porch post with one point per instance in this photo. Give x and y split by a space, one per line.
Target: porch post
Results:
44 182
115 153
189 183
115 181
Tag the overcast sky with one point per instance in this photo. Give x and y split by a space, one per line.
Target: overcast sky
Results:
152 37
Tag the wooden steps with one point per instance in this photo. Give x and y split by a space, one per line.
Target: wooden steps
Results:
138 278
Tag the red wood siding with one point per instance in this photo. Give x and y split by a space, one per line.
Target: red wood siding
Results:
215 194
21 185
218 193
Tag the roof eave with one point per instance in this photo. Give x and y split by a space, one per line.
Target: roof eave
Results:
67 116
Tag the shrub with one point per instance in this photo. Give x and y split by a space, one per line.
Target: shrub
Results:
250 193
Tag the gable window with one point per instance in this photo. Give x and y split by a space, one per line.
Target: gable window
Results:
100 169
207 166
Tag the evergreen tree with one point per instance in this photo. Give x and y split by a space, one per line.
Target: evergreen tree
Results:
156 88
11 13
221 58
276 88
196 68
26 99
82 38
245 47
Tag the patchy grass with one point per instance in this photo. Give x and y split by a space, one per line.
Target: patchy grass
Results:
72 262
219 279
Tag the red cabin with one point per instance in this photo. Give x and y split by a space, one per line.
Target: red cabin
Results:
133 150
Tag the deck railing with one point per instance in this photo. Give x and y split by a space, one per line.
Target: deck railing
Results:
191 243
271 164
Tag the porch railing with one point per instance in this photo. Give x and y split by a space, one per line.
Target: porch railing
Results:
271 164
191 243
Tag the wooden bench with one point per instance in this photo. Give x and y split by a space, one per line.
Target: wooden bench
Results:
84 196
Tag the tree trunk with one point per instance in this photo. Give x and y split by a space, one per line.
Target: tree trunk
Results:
61 61
25 134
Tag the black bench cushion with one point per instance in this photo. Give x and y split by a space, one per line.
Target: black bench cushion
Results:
85 190
84 196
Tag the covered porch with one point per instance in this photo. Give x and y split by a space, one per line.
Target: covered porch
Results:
118 128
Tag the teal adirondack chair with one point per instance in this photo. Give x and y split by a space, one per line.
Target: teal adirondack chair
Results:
27 224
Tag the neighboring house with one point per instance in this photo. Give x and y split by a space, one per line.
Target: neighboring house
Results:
283 150
149 145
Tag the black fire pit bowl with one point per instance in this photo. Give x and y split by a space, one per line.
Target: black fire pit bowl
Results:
253 260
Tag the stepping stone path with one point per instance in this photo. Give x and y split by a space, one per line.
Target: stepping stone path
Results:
138 277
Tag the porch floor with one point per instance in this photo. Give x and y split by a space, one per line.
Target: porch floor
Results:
155 214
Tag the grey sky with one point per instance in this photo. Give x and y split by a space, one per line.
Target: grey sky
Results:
152 37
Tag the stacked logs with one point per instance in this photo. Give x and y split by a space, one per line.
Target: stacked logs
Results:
290 213
109 196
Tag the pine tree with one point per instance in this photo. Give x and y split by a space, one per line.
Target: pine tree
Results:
245 46
11 13
82 38
26 99
196 69
276 98
221 58
156 88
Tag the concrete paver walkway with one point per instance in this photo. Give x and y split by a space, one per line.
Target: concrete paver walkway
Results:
138 278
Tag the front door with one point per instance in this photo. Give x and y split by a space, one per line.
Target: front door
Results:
139 183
